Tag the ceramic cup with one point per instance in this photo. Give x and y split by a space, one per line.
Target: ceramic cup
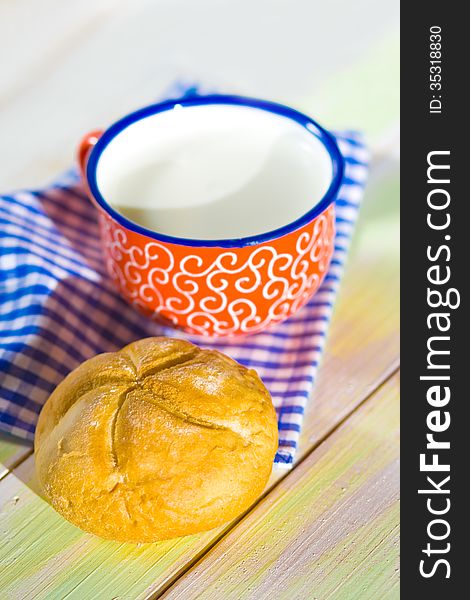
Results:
215 287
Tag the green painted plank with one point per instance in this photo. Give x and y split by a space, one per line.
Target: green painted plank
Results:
12 452
329 530
49 558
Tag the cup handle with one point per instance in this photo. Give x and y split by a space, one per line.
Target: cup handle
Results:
85 147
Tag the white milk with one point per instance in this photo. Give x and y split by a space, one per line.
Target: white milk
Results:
214 171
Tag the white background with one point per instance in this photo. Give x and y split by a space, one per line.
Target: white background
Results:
68 67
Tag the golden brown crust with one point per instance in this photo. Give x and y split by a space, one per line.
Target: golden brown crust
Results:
158 440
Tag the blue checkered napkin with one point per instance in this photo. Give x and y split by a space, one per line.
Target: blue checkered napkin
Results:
58 307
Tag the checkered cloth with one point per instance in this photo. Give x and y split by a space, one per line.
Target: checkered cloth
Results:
58 306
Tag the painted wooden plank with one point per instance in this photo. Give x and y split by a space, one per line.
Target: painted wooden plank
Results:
43 556
79 67
12 452
52 557
358 335
57 560
47 557
328 530
363 344
375 331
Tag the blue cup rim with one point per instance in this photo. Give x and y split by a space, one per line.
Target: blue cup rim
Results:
309 124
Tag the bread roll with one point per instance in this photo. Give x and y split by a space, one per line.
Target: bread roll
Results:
158 440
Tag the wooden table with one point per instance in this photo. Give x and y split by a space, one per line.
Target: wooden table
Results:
329 527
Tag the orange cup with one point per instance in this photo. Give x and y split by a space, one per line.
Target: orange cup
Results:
210 287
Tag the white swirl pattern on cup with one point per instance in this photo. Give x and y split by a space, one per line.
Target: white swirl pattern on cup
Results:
139 273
